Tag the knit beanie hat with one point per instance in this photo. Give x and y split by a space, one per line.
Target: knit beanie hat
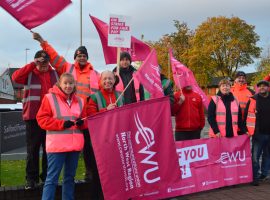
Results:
263 82
125 55
81 50
240 73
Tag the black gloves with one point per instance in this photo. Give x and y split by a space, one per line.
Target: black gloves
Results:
79 122
68 124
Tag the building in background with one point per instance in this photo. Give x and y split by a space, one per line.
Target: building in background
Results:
9 92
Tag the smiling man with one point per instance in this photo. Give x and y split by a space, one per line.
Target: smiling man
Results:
257 112
85 76
241 91
38 77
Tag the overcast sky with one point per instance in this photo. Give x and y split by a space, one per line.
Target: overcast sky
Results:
153 18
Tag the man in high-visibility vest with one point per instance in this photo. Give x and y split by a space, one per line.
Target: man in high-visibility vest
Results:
241 91
257 114
37 77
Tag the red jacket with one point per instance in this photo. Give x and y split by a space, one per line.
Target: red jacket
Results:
189 116
20 76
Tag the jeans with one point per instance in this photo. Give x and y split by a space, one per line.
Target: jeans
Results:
260 147
55 165
35 138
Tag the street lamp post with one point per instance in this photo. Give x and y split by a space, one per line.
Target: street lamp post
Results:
26 49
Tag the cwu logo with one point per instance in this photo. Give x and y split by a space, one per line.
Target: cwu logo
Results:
145 136
230 157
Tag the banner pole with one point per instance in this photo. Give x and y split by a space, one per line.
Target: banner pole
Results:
169 67
118 61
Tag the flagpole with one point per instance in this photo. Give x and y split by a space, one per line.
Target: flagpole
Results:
169 67
81 22
118 61
180 87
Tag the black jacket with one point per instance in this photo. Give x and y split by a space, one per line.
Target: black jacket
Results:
226 99
126 76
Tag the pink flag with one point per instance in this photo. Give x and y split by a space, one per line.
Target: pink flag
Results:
148 75
207 164
183 77
33 13
134 149
138 51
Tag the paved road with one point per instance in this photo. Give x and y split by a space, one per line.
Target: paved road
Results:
238 192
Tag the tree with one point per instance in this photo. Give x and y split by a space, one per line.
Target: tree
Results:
221 46
179 41
263 68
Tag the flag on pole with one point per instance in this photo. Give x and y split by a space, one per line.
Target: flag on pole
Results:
183 77
138 51
149 76
33 13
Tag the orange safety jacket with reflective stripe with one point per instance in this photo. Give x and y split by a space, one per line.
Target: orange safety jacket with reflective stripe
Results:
221 116
86 78
242 93
59 139
32 94
87 83
251 116
120 87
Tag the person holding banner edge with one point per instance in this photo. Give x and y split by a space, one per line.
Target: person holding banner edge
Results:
256 114
86 81
224 113
135 91
38 77
104 99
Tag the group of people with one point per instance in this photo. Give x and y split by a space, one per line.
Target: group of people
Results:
54 110
234 110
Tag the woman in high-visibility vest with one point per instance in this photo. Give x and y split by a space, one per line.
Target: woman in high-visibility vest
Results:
224 113
61 114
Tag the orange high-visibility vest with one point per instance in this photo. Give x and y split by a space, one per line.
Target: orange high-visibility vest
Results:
70 139
251 117
221 116
31 97
242 97
87 85
120 87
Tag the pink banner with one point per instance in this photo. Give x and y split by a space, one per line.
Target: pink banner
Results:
138 51
149 76
183 77
134 149
206 164
33 13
